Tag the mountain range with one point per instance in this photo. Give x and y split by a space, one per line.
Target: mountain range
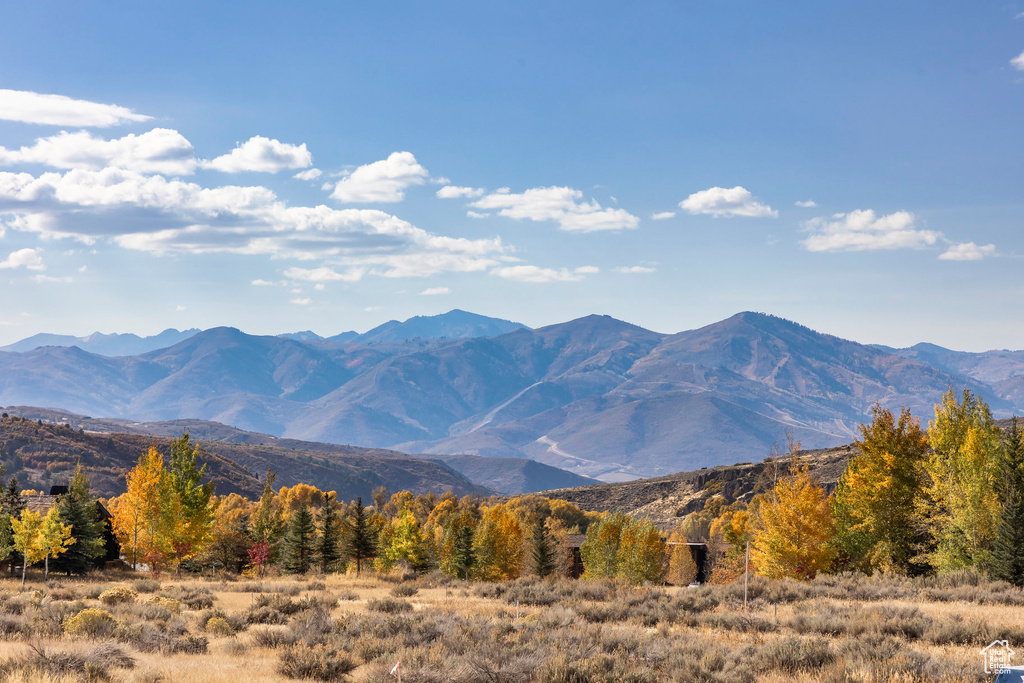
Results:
595 396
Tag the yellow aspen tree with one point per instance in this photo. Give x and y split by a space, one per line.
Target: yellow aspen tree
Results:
794 529
56 537
28 539
500 544
682 570
961 502
138 508
641 552
879 495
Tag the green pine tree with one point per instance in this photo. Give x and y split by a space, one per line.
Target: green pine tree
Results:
465 555
77 508
543 556
1007 561
299 541
360 545
11 505
266 520
328 543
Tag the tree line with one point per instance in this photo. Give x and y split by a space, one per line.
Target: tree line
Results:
912 501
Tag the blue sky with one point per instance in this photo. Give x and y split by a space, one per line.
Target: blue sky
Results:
856 168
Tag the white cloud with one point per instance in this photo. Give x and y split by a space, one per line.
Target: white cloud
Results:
536 274
381 181
862 230
24 258
323 274
300 301
262 283
1018 62
663 215
179 308
587 270
453 192
83 269
371 309
157 215
968 251
58 110
477 214
435 291
160 150
727 202
311 174
319 286
262 155
636 269
559 204
46 278
809 204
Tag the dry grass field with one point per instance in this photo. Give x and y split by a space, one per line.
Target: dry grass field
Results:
837 628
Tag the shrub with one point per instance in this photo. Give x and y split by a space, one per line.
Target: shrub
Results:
169 604
793 655
272 636
219 627
388 605
318 662
191 597
404 591
146 585
117 595
91 623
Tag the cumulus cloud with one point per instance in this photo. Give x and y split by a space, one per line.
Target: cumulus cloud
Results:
154 214
559 204
435 291
536 274
636 269
262 283
323 274
453 192
587 270
663 215
477 214
809 204
179 308
311 174
47 278
968 251
160 150
58 110
23 258
262 155
381 181
862 230
1018 62
727 202
300 301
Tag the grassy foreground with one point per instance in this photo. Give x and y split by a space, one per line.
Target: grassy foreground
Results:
838 628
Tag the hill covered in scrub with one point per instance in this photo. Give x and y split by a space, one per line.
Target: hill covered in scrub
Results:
501 475
43 453
665 499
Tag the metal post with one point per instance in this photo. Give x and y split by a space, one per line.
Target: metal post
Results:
746 572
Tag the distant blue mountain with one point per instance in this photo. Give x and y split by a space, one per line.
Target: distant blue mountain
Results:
454 324
104 344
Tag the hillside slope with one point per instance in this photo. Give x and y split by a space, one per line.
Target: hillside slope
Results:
41 454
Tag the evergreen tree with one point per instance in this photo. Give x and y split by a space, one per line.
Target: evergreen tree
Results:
196 511
77 509
328 543
360 539
465 556
299 540
266 519
11 505
1008 547
542 555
